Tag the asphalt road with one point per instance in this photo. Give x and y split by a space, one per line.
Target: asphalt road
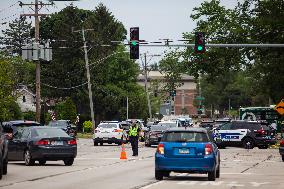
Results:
100 167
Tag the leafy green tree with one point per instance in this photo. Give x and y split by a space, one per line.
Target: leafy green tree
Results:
17 35
8 108
66 110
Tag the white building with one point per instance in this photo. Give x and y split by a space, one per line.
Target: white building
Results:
26 99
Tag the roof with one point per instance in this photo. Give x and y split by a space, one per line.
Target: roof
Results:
192 129
18 122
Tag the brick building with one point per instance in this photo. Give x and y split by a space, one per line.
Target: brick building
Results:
182 102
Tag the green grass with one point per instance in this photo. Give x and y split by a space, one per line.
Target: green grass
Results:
84 135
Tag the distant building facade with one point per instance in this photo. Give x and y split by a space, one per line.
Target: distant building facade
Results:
26 99
182 103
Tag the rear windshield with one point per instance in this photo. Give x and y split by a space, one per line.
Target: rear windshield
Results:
167 124
107 126
49 132
180 136
159 128
60 124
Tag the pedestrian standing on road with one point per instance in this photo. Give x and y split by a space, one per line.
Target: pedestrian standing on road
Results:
133 137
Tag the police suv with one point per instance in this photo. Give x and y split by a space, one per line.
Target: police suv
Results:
244 133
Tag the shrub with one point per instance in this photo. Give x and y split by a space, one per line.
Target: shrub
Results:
88 126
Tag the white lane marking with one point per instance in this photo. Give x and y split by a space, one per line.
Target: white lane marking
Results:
238 174
154 184
190 183
215 183
257 184
235 184
237 160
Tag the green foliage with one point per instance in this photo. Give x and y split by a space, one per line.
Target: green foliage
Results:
29 115
66 110
88 126
8 107
17 35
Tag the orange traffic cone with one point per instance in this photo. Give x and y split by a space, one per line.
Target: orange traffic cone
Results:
123 152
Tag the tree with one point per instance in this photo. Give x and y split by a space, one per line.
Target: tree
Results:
8 108
17 35
66 110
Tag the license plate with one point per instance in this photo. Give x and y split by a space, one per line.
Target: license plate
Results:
56 143
183 151
105 138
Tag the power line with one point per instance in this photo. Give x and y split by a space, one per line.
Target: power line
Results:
64 88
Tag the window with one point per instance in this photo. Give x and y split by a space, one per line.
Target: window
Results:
178 136
226 126
24 98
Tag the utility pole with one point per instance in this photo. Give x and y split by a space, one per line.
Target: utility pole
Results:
37 7
146 86
88 74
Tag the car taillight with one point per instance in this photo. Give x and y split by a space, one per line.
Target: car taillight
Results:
261 131
208 149
161 149
72 142
117 130
43 142
281 142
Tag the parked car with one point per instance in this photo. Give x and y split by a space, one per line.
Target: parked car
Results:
187 150
42 144
155 134
108 132
11 126
244 133
3 152
65 125
207 125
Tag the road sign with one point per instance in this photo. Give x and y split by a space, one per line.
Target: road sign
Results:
280 107
200 98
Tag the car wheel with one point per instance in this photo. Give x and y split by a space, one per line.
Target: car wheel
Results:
212 175
218 172
248 141
158 175
282 157
69 161
42 162
28 158
95 143
263 147
5 166
167 174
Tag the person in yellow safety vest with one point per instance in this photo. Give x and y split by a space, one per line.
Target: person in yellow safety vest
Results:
133 137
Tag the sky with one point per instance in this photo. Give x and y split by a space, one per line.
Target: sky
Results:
156 19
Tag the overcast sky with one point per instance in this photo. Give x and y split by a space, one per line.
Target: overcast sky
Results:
156 19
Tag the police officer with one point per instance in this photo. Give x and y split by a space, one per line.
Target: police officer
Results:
133 137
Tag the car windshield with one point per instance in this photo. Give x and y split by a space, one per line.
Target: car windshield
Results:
179 136
49 132
159 128
167 124
59 124
107 126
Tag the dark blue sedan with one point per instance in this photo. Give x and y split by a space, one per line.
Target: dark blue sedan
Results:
187 150
42 144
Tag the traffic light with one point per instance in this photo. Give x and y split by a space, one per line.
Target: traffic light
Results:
173 93
134 43
199 42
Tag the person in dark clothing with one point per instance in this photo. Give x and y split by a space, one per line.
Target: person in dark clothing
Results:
133 137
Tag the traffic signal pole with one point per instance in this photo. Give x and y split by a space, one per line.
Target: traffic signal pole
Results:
218 45
146 85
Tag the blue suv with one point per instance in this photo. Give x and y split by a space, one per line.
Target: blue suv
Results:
187 150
